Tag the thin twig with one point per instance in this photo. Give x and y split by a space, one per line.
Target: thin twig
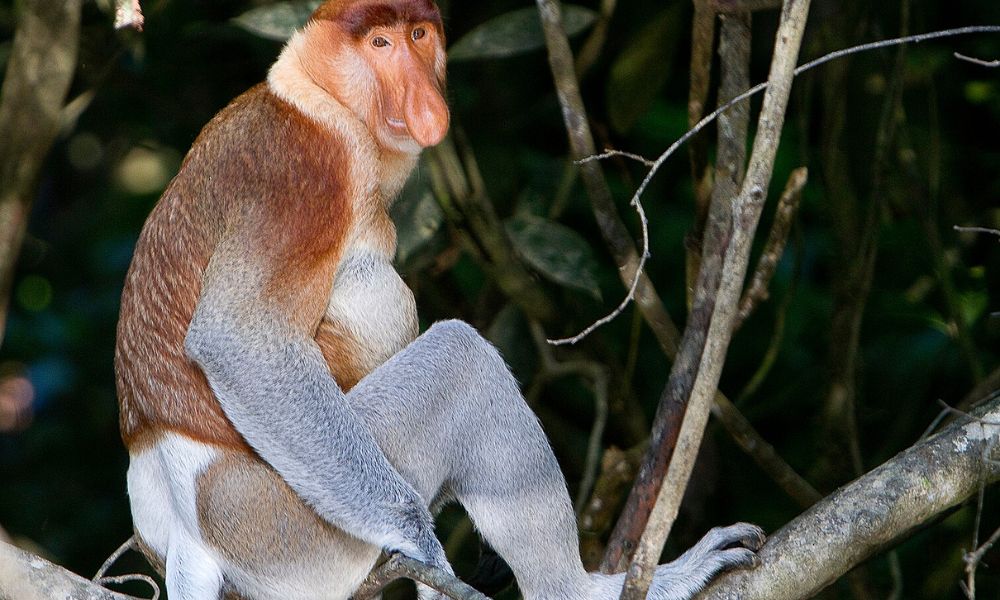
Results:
119 579
972 560
978 61
616 235
961 413
756 90
125 547
102 580
639 270
608 153
995 232
767 264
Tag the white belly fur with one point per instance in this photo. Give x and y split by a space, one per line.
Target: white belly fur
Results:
371 301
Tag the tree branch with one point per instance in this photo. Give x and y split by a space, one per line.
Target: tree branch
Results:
788 205
399 566
876 510
695 375
25 576
40 69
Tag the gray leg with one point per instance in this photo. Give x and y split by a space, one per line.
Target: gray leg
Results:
448 413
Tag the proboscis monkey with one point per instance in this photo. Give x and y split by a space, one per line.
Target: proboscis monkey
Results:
284 421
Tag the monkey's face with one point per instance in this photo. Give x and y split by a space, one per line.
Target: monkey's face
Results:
387 64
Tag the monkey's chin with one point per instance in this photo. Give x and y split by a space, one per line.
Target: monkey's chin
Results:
398 139
404 143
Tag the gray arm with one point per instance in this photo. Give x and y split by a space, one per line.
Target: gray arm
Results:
273 384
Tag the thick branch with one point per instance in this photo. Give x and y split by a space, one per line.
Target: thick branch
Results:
875 511
40 69
24 576
698 390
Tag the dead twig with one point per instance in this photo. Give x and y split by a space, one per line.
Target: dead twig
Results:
788 205
995 232
616 236
977 61
636 280
618 239
104 580
609 153
972 560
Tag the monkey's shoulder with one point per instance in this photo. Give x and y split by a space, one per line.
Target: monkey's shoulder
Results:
260 144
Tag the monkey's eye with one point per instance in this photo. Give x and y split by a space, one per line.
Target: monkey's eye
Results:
380 42
418 33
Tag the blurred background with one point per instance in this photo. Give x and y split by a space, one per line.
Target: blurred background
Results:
876 291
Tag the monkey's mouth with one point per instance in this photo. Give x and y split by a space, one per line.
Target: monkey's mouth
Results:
397 126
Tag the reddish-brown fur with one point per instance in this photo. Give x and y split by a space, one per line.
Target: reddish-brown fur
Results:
359 18
299 215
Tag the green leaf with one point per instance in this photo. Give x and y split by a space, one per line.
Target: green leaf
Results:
643 68
556 251
277 21
516 32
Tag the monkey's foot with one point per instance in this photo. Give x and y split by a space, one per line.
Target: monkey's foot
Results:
720 550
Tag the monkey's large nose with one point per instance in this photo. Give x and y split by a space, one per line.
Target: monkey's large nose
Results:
425 113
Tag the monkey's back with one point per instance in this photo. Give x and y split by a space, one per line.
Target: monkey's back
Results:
159 387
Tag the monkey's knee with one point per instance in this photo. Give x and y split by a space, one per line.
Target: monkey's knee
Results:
471 355
457 335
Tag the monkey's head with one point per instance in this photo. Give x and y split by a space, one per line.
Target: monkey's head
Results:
385 61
